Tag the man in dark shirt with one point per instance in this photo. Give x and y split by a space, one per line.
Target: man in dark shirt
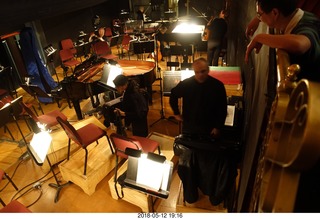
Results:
216 30
204 102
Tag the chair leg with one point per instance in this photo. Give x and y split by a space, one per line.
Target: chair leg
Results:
69 144
7 129
10 180
2 202
110 144
159 151
85 162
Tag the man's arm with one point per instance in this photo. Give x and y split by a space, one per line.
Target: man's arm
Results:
174 99
292 43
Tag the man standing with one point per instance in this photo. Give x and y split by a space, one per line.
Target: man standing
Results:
204 102
216 30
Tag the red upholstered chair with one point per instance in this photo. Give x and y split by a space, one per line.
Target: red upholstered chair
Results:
68 60
15 207
68 44
103 50
125 45
108 32
83 136
48 118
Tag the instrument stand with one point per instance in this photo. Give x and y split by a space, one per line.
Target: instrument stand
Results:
56 185
162 114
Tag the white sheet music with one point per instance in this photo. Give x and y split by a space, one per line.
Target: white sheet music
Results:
230 115
150 173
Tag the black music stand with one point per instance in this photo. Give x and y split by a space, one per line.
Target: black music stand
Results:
50 51
162 114
183 51
143 47
38 148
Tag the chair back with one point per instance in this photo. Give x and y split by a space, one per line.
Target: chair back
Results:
108 32
65 55
101 48
126 39
17 109
70 130
120 143
68 44
29 111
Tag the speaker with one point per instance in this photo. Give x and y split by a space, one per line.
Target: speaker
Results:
170 80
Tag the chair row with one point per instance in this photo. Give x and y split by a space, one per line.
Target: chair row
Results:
68 52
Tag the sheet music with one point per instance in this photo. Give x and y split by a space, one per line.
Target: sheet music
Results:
230 115
150 173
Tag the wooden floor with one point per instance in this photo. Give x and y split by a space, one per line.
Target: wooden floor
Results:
25 173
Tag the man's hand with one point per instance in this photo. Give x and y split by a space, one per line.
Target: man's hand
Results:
178 118
254 44
252 27
215 133
120 112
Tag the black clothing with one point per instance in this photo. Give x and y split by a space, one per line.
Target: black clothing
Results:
135 105
204 105
140 15
213 172
309 62
218 28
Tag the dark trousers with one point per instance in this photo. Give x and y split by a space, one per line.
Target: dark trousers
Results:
213 52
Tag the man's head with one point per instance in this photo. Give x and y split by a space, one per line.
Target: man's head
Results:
222 14
286 7
272 11
101 31
121 83
201 70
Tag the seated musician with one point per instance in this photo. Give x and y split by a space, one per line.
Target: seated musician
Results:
133 108
100 36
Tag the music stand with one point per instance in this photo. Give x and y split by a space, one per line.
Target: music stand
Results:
148 173
50 51
143 47
162 114
38 148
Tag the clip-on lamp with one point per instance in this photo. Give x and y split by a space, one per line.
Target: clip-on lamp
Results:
38 148
150 173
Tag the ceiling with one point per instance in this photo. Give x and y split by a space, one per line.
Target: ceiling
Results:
15 13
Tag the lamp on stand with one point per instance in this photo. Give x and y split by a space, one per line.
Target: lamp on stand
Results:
38 148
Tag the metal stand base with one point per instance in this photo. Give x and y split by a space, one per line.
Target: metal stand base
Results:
58 187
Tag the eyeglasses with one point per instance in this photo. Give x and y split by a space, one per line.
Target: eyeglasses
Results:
259 15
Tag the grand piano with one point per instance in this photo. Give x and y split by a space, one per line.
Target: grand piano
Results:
85 82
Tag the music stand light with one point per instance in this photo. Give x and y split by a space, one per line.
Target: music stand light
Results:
150 173
38 148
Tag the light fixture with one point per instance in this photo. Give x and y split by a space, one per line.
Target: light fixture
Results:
39 146
187 27
150 173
